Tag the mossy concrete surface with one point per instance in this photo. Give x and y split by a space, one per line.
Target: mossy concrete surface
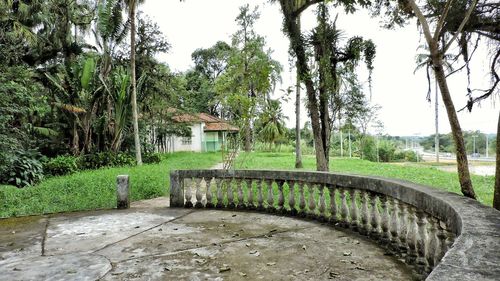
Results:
153 242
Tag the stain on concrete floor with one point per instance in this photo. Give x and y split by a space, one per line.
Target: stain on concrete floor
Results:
153 242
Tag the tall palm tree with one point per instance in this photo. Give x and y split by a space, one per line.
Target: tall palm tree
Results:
272 122
298 150
437 48
425 60
132 5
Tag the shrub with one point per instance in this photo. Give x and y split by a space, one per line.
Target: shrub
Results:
369 149
151 158
408 155
411 156
24 168
61 165
386 151
400 155
105 159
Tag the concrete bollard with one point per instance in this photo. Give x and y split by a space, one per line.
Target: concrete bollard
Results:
122 192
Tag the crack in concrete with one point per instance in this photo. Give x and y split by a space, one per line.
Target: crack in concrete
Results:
110 263
44 235
219 244
141 232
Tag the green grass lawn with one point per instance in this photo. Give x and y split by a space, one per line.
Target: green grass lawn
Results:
483 185
90 190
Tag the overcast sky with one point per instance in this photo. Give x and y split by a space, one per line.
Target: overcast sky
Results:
401 93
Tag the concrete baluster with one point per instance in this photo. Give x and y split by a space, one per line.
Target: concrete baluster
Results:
302 203
321 203
404 226
230 194
333 204
208 195
421 241
394 226
432 244
312 201
241 199
344 209
188 195
220 195
354 210
260 197
365 214
411 237
281 197
291 198
386 234
375 217
199 194
270 196
250 203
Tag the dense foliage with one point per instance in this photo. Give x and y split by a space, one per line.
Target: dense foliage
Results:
96 189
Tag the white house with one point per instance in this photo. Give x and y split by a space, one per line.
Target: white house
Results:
208 133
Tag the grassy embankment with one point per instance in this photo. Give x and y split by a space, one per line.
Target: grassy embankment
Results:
429 176
96 189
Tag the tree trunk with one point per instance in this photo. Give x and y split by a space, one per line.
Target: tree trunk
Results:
456 131
75 146
496 194
325 120
297 45
248 136
437 64
135 117
436 138
298 149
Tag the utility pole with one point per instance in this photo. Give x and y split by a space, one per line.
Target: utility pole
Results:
415 146
350 150
487 141
341 145
474 144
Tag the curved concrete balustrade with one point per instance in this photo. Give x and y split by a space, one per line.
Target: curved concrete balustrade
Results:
443 235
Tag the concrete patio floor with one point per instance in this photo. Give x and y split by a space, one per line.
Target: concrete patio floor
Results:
153 242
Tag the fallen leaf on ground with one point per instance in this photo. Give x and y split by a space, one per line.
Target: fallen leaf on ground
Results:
360 268
255 253
224 268
334 274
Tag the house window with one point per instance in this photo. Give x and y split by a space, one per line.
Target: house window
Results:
186 141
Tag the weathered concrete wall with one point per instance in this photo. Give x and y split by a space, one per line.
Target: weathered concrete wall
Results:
122 192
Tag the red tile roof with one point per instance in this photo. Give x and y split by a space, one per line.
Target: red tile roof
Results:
212 123
220 126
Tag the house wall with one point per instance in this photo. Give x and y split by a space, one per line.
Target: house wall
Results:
196 140
212 141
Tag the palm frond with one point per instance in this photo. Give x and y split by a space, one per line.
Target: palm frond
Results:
87 73
56 83
46 132
70 108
